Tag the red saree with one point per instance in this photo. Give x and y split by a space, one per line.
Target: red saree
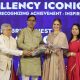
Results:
13 74
74 61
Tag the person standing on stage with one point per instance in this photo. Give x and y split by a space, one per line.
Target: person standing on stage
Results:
29 39
53 66
8 48
73 69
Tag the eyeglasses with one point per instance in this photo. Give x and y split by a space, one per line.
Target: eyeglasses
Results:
8 29
32 20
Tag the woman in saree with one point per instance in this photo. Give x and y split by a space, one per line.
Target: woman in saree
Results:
74 54
53 66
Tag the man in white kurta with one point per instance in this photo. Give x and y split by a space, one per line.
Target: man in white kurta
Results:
8 48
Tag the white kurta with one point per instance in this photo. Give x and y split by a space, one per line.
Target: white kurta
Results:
8 47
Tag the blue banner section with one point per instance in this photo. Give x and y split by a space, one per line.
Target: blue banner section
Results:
15 12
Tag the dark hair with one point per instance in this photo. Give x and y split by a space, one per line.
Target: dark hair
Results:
31 16
57 19
78 26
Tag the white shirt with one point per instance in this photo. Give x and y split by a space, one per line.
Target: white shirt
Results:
8 46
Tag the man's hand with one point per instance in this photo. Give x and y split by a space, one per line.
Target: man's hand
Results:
26 53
